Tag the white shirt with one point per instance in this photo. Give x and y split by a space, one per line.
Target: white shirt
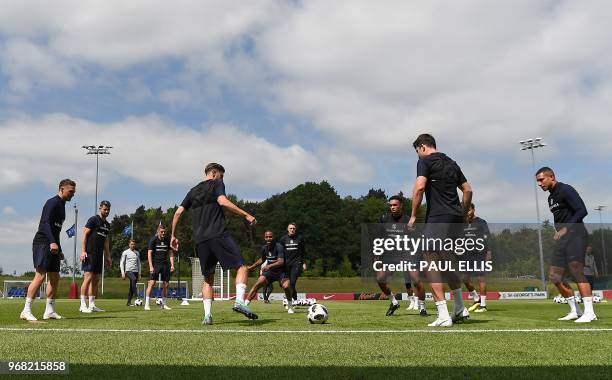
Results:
589 265
130 262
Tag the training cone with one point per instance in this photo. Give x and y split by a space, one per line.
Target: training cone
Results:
185 302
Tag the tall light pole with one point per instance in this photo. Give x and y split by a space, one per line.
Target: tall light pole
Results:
97 150
603 245
532 144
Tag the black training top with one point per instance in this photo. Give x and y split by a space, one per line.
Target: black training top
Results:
160 249
478 229
567 207
295 248
99 232
444 176
51 221
207 215
394 224
272 256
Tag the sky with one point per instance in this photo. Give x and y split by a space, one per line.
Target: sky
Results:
283 92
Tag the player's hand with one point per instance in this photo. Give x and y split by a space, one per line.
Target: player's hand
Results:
251 219
61 255
488 256
151 269
109 262
83 256
559 234
171 268
174 243
54 248
411 222
123 276
304 267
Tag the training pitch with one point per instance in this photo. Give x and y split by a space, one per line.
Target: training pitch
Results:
512 339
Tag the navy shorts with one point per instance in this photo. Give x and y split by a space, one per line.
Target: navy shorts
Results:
44 259
160 269
442 227
274 275
223 250
93 263
569 248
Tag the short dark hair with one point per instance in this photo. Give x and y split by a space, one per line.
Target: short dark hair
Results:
292 224
105 203
214 166
161 227
66 182
270 231
545 169
424 139
132 241
396 198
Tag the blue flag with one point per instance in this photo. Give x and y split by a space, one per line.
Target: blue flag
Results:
127 231
71 231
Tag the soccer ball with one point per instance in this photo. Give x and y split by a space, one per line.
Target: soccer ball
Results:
596 299
317 313
559 299
158 301
138 302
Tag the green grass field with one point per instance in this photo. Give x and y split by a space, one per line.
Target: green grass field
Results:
358 342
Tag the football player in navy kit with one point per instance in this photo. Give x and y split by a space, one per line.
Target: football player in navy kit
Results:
477 228
295 250
395 222
94 249
568 211
438 178
161 263
272 261
47 252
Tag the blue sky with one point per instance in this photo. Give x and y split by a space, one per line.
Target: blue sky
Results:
284 92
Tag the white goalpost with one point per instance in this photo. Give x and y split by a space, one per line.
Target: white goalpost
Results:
221 286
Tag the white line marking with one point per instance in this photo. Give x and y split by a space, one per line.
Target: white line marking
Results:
230 331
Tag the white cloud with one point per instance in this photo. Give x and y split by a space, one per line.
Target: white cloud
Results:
157 152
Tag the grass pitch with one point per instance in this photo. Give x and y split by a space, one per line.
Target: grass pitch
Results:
514 338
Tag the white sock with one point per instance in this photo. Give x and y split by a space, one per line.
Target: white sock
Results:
588 304
27 308
147 301
83 301
92 301
483 301
442 310
49 308
421 305
240 290
459 306
571 302
207 306
164 301
392 298
474 295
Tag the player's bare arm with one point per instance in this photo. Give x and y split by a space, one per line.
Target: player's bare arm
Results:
417 197
230 206
174 242
466 189
86 233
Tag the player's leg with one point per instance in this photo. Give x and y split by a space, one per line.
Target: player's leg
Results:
252 294
165 286
420 293
286 285
51 295
152 281
555 275
577 270
93 291
460 312
482 287
207 297
381 279
294 273
411 297
267 291
467 281
87 276
33 288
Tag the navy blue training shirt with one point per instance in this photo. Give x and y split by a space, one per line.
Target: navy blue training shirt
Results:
272 256
207 215
160 249
567 207
478 229
444 176
51 221
98 235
